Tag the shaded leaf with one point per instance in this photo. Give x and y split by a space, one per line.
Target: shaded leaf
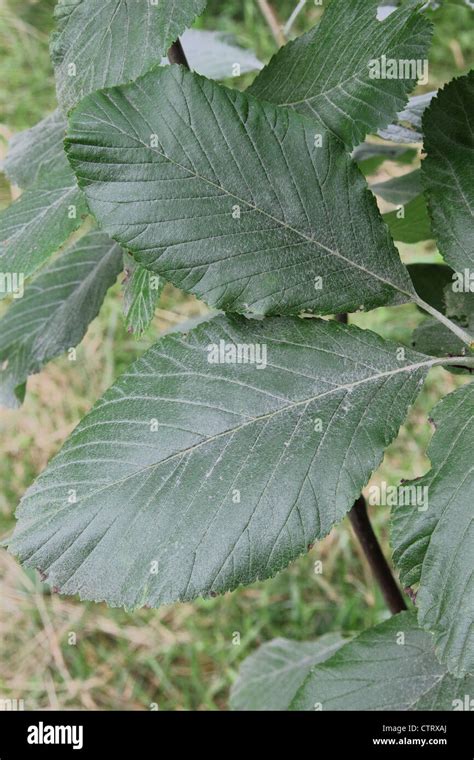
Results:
434 284
433 546
98 45
55 311
375 671
191 477
435 339
448 170
271 676
233 202
430 281
326 73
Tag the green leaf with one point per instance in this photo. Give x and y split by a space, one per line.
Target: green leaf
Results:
327 73
233 202
142 290
55 311
191 477
448 170
271 676
435 339
460 305
38 223
399 190
415 224
36 151
99 45
214 54
434 284
433 547
375 671
430 281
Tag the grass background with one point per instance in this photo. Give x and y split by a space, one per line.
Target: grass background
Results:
182 656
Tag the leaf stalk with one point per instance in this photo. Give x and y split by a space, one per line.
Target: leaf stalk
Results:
362 527
461 334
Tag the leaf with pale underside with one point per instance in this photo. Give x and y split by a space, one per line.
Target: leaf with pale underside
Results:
234 202
326 73
36 151
216 55
271 676
100 44
434 545
392 666
55 311
39 223
192 477
407 127
448 170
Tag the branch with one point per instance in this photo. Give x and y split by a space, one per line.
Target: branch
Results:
363 529
272 21
176 54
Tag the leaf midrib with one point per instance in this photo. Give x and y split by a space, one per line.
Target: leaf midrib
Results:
231 431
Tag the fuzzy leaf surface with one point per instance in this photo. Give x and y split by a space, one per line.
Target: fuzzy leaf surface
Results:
434 546
375 671
233 202
220 473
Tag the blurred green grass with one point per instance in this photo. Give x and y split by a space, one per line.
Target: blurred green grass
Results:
182 656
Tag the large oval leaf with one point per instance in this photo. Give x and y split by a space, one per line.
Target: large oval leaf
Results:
191 477
230 199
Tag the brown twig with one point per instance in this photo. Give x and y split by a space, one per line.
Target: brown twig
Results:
381 569
272 21
365 533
